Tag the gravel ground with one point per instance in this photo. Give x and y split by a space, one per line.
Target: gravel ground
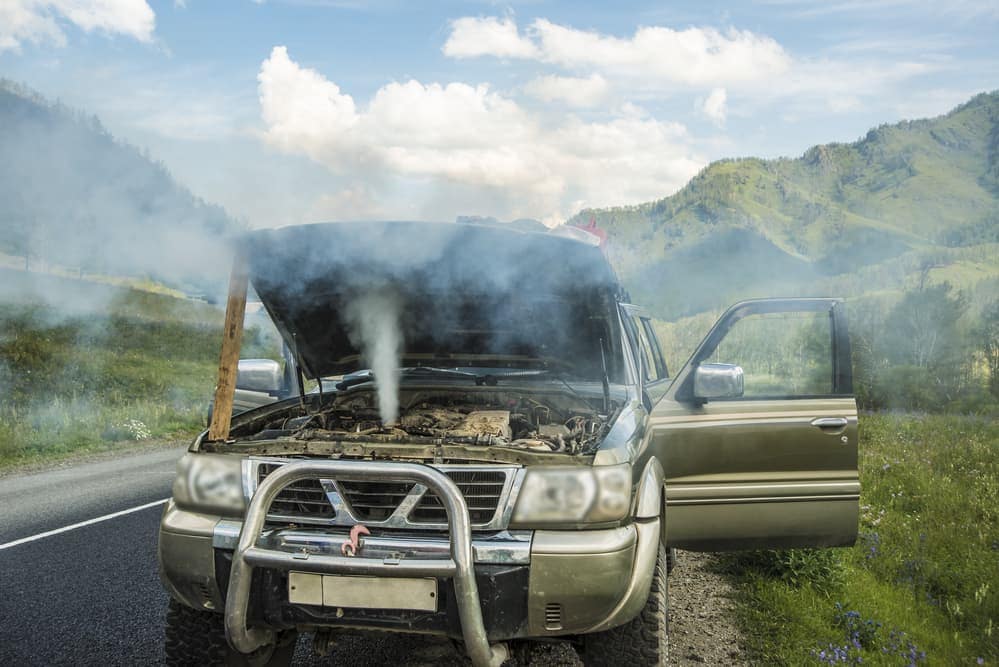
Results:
702 614
702 631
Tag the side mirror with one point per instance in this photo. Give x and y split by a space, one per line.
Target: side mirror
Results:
262 375
718 381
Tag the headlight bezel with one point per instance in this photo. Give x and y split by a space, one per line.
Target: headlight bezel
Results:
609 502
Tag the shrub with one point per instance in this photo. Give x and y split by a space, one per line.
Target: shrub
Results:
819 569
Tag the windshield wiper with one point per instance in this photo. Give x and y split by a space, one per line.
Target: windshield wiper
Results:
360 377
480 379
357 377
433 370
489 379
548 373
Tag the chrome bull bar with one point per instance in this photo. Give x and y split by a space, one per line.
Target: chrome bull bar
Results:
459 566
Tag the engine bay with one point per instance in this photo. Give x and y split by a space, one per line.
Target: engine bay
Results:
539 422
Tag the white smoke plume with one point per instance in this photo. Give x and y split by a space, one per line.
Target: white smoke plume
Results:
374 321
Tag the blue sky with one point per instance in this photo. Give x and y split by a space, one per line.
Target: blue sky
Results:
303 110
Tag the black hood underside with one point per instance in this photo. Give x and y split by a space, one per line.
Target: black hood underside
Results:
461 295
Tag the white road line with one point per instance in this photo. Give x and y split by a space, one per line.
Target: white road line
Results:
88 522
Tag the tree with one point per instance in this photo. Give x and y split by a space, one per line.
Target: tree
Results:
988 335
924 344
922 330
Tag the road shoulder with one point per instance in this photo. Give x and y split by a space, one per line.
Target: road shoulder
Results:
112 451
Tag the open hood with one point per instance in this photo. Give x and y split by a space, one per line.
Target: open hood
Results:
443 294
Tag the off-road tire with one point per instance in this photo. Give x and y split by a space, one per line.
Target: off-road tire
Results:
196 637
644 640
671 558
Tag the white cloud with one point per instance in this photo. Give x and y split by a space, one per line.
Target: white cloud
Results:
574 91
715 106
658 62
301 108
470 137
39 21
471 37
21 22
699 56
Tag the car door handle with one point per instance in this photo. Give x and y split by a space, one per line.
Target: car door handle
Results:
830 423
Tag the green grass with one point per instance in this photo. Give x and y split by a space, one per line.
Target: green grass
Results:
143 368
922 579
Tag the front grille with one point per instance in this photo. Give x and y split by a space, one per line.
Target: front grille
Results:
304 499
374 501
481 489
319 501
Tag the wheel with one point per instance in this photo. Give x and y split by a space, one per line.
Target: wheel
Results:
644 640
196 637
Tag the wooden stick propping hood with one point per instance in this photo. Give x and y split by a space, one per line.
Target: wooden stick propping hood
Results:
232 339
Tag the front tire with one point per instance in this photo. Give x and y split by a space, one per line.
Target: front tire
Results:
644 640
195 637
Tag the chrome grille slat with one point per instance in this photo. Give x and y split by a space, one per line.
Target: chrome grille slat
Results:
305 499
485 486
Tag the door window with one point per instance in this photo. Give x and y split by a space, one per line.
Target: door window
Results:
782 354
648 363
651 370
657 356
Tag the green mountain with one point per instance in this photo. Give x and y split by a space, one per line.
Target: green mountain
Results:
914 201
72 194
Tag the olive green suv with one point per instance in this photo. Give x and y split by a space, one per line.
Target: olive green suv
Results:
475 435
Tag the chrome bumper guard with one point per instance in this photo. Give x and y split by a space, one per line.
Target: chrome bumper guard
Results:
459 566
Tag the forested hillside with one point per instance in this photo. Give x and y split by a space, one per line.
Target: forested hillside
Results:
72 194
904 223
919 192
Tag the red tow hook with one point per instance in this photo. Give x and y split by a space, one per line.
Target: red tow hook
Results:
353 545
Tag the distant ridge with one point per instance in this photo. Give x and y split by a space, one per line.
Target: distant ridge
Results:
71 193
748 227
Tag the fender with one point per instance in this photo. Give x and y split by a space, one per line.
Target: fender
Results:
649 498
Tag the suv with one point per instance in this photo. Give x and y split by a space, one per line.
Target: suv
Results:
505 457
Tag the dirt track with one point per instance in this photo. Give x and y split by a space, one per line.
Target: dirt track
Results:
702 614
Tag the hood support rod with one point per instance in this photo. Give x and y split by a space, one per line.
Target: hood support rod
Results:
232 340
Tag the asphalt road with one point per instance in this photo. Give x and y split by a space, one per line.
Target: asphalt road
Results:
91 595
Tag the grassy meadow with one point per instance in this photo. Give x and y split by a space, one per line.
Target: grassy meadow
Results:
921 586
136 366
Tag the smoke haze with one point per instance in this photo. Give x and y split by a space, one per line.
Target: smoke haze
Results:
73 195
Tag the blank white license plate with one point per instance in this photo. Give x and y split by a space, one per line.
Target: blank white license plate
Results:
341 590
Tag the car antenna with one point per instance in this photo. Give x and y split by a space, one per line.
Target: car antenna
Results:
605 379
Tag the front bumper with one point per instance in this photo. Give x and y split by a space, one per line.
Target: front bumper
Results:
525 583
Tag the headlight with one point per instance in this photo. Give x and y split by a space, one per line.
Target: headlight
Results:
210 483
574 495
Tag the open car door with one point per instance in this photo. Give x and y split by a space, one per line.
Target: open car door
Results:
758 434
